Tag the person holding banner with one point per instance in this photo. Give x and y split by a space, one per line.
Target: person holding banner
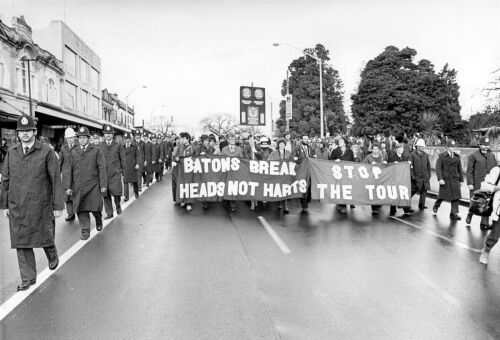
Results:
183 149
420 173
376 157
488 185
450 175
342 153
232 150
250 152
281 154
398 156
206 149
303 151
265 148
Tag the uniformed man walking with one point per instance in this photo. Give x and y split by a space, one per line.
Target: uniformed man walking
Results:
141 175
132 161
31 195
86 180
64 160
114 158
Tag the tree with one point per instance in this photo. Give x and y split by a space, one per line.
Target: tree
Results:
431 127
304 86
218 124
395 92
160 123
249 129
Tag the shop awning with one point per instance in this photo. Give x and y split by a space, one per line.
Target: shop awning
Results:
69 117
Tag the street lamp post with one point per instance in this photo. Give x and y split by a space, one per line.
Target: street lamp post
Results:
24 59
320 63
128 95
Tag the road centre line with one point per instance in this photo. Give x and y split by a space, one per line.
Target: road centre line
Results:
8 306
274 235
447 239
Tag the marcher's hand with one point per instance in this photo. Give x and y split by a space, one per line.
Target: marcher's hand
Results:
103 190
337 160
471 187
57 213
374 162
441 182
145 163
153 162
6 212
160 160
295 158
202 154
69 192
395 162
137 167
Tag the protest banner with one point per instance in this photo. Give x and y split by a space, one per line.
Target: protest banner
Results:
211 178
359 183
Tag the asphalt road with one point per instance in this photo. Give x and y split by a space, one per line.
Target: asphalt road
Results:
158 272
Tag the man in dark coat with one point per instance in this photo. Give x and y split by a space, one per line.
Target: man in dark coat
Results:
342 153
31 195
86 180
64 160
398 156
233 150
168 148
115 163
479 164
450 175
132 161
157 158
420 171
184 148
303 151
141 175
148 156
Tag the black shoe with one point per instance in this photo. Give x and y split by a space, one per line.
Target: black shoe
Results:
455 217
108 217
435 209
25 285
486 227
54 263
353 206
119 210
392 212
286 211
374 212
410 210
468 219
342 210
70 217
85 237
125 200
205 206
136 195
98 227
422 207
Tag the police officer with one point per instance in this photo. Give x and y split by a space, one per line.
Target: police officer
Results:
141 176
32 198
479 164
157 157
64 160
148 156
115 163
132 161
86 180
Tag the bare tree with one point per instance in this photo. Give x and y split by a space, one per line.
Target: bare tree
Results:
218 124
160 123
250 129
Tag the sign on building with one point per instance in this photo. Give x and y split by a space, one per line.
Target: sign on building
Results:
288 106
252 105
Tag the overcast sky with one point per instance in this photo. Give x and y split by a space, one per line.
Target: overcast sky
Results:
194 55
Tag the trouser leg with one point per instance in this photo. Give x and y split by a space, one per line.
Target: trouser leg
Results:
50 252
69 207
174 182
145 177
454 207
27 263
84 220
438 202
135 186
423 195
98 218
493 236
108 206
117 200
126 190
485 220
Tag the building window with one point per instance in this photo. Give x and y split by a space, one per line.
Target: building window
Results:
50 91
70 96
94 78
95 107
85 101
69 59
84 71
22 78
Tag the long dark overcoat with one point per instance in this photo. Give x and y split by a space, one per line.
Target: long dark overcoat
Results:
157 154
31 190
142 148
65 160
114 158
420 170
132 158
148 157
86 176
478 166
450 170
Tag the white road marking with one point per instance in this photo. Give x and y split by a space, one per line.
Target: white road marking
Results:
274 235
447 239
14 301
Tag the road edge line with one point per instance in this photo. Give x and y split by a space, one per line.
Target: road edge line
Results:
274 235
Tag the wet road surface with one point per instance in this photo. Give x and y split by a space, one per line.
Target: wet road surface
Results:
159 272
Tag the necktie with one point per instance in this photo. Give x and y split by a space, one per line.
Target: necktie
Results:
306 151
26 149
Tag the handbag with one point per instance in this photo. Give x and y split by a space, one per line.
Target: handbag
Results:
481 203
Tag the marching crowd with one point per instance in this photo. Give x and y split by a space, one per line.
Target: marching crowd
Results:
91 171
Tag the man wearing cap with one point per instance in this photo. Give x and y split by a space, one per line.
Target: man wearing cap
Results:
85 178
31 195
95 138
184 148
141 175
420 171
114 158
479 164
157 158
64 160
449 174
149 168
132 161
